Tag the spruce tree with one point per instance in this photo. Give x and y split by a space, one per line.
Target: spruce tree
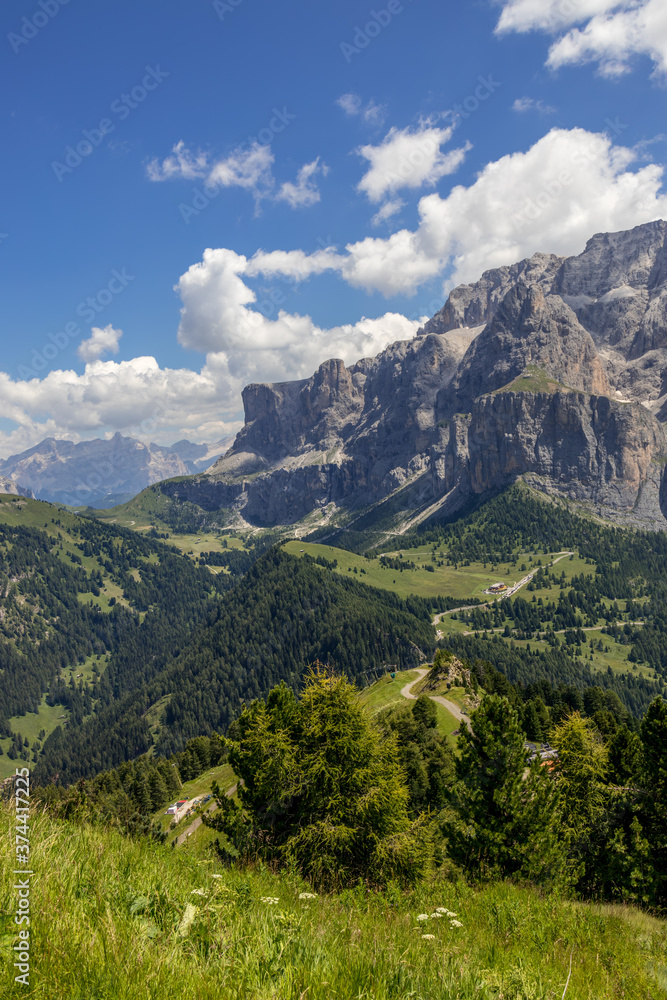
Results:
504 816
322 788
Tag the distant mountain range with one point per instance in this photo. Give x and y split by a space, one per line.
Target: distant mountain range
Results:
553 369
100 473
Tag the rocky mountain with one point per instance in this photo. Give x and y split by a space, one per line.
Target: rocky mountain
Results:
100 473
554 369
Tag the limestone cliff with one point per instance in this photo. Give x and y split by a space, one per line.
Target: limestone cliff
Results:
554 369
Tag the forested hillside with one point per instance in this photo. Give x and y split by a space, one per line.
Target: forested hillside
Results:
88 611
282 616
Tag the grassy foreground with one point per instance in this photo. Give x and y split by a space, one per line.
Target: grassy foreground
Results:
115 919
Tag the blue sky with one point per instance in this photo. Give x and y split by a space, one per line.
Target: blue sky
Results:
387 150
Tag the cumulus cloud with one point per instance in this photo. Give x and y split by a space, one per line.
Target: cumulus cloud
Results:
136 397
249 167
371 113
408 158
523 104
242 344
102 341
553 197
218 318
613 31
305 192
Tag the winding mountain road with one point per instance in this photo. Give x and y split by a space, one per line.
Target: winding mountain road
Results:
507 593
198 821
451 707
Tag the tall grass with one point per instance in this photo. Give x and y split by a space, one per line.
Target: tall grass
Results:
114 919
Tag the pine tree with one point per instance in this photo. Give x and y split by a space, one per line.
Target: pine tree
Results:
654 741
504 817
322 788
581 771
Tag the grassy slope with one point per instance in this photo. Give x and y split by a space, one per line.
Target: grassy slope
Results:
467 581
108 923
386 693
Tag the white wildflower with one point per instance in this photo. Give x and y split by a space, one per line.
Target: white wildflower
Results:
307 895
198 892
455 923
428 937
422 916
213 875
436 914
271 900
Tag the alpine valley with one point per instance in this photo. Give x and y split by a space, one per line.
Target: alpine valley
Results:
404 644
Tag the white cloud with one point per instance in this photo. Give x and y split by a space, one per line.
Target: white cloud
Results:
305 192
371 113
523 104
103 341
182 163
614 31
249 167
217 318
387 211
549 15
136 397
553 197
408 158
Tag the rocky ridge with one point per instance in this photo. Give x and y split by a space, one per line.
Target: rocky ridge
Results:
99 472
554 369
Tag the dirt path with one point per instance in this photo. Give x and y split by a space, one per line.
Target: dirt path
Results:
198 821
451 707
507 593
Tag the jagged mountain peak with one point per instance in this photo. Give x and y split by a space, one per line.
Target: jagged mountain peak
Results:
529 328
551 368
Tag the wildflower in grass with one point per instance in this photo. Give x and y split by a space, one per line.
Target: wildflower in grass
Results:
270 900
198 892
455 923
307 895
428 937
436 914
213 875
422 916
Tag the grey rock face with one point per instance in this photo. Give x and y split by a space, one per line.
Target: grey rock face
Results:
528 329
554 369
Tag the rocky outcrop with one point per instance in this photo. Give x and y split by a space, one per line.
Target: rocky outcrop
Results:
528 329
589 447
476 304
554 369
9 486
